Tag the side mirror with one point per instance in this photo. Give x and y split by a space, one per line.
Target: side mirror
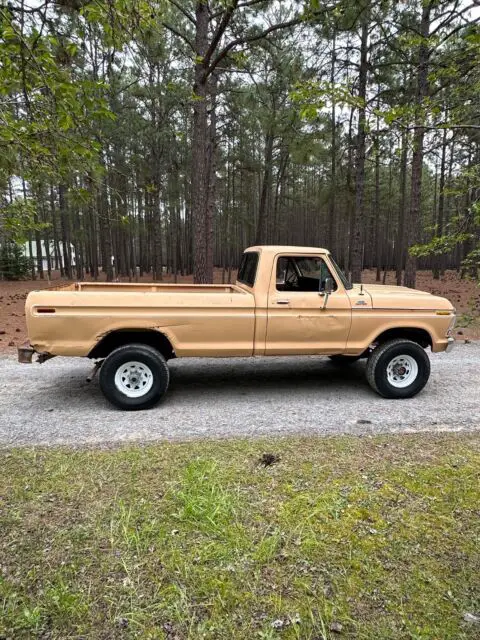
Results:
329 285
327 290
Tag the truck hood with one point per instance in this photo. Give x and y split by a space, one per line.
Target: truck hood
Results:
385 296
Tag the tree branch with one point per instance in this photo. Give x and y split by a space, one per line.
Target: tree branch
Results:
259 36
454 13
227 16
24 9
438 127
250 3
186 13
179 34
453 32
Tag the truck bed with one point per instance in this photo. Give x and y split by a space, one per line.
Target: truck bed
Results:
153 287
196 319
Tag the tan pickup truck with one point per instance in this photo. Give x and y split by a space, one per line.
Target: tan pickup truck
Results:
286 301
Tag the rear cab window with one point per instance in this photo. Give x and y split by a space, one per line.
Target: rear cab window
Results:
247 272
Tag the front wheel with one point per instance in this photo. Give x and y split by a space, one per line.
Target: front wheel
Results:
134 377
398 369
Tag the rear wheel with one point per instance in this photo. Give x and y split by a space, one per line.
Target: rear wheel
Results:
398 369
134 377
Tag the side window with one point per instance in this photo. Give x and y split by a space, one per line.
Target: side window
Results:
297 273
248 268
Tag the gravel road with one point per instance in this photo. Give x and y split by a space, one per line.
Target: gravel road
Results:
53 404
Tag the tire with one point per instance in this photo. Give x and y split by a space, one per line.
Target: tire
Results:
341 361
134 377
398 369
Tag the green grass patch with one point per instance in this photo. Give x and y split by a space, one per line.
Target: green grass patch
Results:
365 538
467 320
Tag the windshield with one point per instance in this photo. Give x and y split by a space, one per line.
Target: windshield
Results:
345 281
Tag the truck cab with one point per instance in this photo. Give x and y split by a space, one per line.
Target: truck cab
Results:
305 305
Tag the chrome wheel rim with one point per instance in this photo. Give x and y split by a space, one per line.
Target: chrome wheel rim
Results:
402 371
134 379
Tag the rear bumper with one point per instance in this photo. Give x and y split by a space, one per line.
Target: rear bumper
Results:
25 355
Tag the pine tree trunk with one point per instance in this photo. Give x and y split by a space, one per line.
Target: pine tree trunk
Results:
79 258
279 191
358 222
413 223
261 236
199 145
211 176
65 232
400 243
449 200
105 232
378 237
439 260
56 248
332 245
93 238
38 243
141 233
386 248
157 238
350 193
46 235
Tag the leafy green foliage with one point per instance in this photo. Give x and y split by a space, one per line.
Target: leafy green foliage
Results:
14 265
48 108
312 97
464 228
439 245
18 220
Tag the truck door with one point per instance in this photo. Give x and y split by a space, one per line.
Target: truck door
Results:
302 319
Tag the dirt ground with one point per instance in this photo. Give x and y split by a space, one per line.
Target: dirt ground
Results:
465 295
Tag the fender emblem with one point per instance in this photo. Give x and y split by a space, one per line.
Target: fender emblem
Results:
360 303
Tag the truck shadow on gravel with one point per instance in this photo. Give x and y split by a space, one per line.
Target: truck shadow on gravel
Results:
199 379
206 381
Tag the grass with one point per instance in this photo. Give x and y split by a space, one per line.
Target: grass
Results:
467 320
365 538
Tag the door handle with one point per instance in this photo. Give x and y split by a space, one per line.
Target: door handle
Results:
283 301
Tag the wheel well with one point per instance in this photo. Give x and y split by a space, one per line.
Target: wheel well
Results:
420 336
122 337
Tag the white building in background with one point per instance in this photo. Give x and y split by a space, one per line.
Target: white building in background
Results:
46 247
